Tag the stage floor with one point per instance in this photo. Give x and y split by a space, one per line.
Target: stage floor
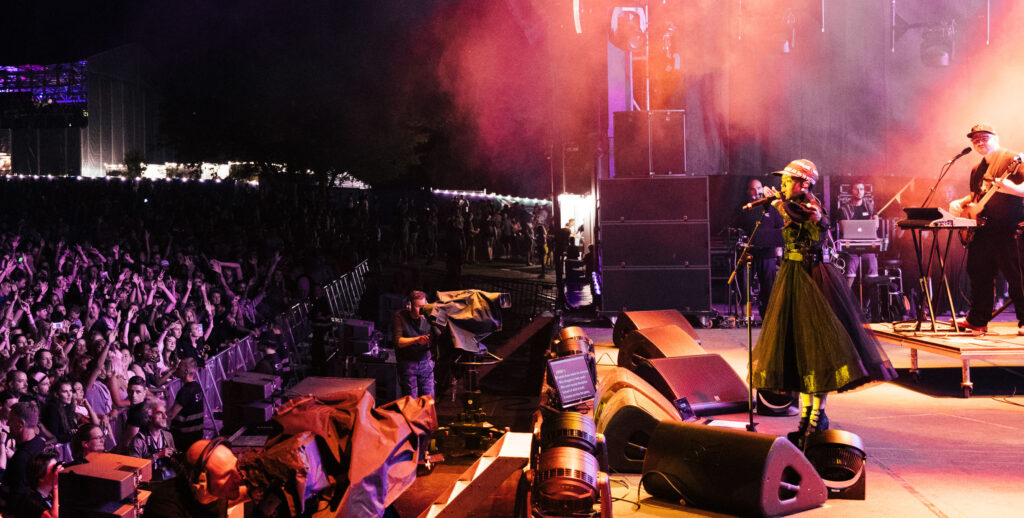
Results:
930 452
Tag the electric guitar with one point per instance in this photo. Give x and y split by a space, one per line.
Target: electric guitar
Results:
973 209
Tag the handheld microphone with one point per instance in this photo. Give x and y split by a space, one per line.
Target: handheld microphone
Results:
962 153
762 201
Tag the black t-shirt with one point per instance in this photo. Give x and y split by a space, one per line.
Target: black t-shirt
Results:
33 505
1003 211
60 420
16 478
137 415
190 419
403 325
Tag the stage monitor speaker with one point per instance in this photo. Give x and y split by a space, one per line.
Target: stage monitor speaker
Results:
657 342
667 243
661 198
618 378
707 382
627 421
731 471
629 321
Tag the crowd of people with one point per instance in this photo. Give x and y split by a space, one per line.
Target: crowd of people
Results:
109 290
460 231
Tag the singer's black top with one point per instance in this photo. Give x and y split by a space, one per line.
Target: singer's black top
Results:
1003 211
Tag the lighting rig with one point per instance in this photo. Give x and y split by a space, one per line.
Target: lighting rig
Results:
568 475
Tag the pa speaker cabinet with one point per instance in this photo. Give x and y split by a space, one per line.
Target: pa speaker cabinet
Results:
706 381
648 288
629 321
385 375
578 161
731 471
668 243
632 134
649 143
668 142
660 198
657 342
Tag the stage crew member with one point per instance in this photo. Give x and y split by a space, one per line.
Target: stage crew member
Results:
411 332
812 340
992 248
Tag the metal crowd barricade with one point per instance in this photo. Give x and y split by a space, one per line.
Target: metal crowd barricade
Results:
296 329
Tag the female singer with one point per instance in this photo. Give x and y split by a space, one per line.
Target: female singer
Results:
812 340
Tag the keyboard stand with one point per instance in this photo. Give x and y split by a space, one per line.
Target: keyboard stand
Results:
936 253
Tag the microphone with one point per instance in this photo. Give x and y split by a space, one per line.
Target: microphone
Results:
957 157
762 201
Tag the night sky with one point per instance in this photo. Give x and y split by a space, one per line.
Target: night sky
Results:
366 86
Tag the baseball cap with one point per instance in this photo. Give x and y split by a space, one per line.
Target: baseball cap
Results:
981 128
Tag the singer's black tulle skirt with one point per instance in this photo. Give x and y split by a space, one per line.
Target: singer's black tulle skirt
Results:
812 339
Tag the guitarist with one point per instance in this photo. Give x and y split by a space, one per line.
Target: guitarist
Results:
993 248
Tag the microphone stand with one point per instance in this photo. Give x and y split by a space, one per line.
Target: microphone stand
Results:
745 259
942 174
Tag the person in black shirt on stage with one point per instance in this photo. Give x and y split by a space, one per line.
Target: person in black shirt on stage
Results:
993 248
765 245
411 331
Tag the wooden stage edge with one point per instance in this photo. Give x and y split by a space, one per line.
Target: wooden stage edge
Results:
1000 343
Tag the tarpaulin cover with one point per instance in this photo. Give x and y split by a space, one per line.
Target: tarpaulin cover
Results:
471 315
379 446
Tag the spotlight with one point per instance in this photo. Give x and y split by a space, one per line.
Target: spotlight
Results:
838 456
628 28
572 340
937 43
568 483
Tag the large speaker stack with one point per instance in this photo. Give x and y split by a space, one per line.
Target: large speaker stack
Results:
655 244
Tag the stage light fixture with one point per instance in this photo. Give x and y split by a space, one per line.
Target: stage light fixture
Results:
572 340
937 43
839 457
629 28
568 483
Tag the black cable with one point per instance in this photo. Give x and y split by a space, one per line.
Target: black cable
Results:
667 481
